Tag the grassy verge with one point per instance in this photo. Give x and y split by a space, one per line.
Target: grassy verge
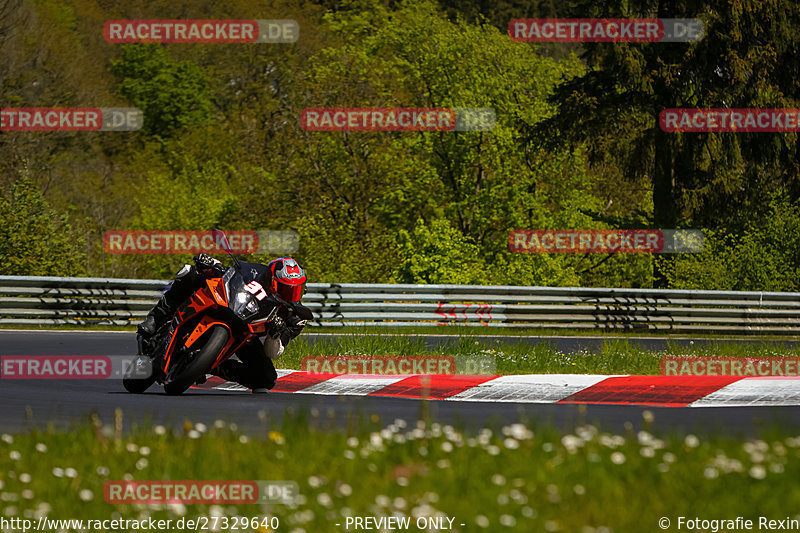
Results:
457 331
521 477
617 356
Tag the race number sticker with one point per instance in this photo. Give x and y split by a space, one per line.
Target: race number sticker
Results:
256 290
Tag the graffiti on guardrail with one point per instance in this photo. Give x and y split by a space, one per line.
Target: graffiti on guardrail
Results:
100 301
464 312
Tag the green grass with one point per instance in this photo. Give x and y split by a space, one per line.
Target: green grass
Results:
457 331
521 477
617 356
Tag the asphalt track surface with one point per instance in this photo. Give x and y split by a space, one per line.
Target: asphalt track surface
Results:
35 403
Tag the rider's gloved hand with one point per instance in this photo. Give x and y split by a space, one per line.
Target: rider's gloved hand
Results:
205 262
275 328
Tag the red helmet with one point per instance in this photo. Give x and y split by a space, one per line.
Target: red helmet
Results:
287 279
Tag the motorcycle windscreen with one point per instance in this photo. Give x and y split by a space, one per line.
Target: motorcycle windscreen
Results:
290 293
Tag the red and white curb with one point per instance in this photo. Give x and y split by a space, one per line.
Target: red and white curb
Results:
666 391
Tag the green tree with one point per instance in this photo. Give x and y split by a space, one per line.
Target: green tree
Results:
696 178
438 253
765 255
35 240
171 94
187 196
378 185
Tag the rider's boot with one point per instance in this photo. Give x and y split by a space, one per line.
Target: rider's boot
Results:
236 371
230 370
159 314
184 284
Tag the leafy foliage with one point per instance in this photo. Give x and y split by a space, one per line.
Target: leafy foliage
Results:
765 256
34 239
171 94
576 143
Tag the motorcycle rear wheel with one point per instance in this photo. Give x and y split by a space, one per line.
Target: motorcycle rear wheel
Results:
188 372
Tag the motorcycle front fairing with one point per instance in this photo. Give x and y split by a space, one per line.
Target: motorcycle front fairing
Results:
250 301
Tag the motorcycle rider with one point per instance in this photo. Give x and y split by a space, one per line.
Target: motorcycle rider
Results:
285 281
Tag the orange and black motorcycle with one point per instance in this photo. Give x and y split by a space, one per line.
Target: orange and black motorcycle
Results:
219 318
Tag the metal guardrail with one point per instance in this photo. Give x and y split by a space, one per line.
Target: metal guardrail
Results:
102 301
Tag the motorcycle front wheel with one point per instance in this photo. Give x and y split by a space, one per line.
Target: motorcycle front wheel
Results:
188 369
139 375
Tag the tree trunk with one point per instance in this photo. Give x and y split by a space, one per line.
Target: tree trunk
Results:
664 206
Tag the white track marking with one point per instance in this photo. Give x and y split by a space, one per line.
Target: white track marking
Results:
533 388
753 392
552 388
352 384
231 386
